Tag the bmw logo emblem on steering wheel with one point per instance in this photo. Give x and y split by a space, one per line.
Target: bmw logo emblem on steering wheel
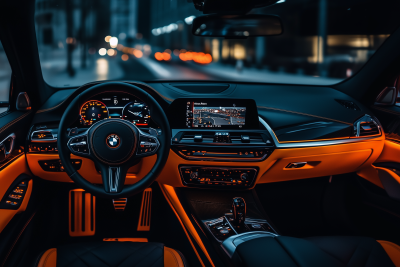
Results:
113 141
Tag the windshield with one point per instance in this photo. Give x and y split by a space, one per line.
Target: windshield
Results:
324 42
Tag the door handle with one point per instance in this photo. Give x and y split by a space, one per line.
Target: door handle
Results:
7 147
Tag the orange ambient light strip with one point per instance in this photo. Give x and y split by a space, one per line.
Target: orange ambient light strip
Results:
173 200
127 239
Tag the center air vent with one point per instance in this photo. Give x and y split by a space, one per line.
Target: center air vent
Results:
43 136
233 138
366 126
214 88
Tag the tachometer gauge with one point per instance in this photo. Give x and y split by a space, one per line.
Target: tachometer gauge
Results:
136 112
93 111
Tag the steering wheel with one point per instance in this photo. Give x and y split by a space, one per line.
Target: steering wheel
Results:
114 145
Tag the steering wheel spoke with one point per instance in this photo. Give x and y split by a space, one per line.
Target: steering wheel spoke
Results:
113 178
78 145
148 144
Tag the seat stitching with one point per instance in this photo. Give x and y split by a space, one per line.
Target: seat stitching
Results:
352 255
78 257
85 252
137 263
106 263
287 252
132 252
173 255
323 250
369 255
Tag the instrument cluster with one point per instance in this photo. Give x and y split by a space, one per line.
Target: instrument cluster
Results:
115 106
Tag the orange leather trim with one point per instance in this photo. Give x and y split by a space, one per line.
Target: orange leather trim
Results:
392 250
127 239
82 198
334 159
317 165
87 170
172 258
370 173
390 152
7 177
49 258
173 200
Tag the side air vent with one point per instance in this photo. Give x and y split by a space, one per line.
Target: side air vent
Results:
201 88
207 137
348 104
233 138
366 126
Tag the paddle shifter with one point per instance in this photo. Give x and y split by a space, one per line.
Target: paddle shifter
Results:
239 210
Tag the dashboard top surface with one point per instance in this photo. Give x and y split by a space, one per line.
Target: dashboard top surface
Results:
288 104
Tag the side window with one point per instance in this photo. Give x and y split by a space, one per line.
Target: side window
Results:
5 78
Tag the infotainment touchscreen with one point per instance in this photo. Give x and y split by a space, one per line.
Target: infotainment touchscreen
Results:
208 114
213 114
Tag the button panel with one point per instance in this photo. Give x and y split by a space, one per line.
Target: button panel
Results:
14 196
147 145
220 228
200 176
222 137
56 165
79 144
43 147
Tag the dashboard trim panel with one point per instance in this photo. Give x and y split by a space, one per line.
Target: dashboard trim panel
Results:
312 143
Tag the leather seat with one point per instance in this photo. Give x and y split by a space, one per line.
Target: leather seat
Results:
111 254
334 251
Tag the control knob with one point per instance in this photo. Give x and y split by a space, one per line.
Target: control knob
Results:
244 176
194 175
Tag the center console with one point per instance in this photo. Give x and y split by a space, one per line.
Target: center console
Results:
236 223
225 130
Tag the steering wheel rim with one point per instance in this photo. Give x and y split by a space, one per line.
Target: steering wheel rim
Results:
162 150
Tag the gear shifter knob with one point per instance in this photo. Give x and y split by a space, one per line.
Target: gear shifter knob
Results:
239 210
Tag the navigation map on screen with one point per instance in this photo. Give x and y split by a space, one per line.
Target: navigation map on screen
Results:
203 115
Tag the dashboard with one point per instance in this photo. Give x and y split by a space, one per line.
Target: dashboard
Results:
114 106
224 139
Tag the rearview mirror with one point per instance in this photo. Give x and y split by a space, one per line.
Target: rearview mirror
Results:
237 26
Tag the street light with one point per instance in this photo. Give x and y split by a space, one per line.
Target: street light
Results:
113 42
189 20
102 51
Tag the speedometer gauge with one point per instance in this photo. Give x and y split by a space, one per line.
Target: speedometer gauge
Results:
136 112
93 111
